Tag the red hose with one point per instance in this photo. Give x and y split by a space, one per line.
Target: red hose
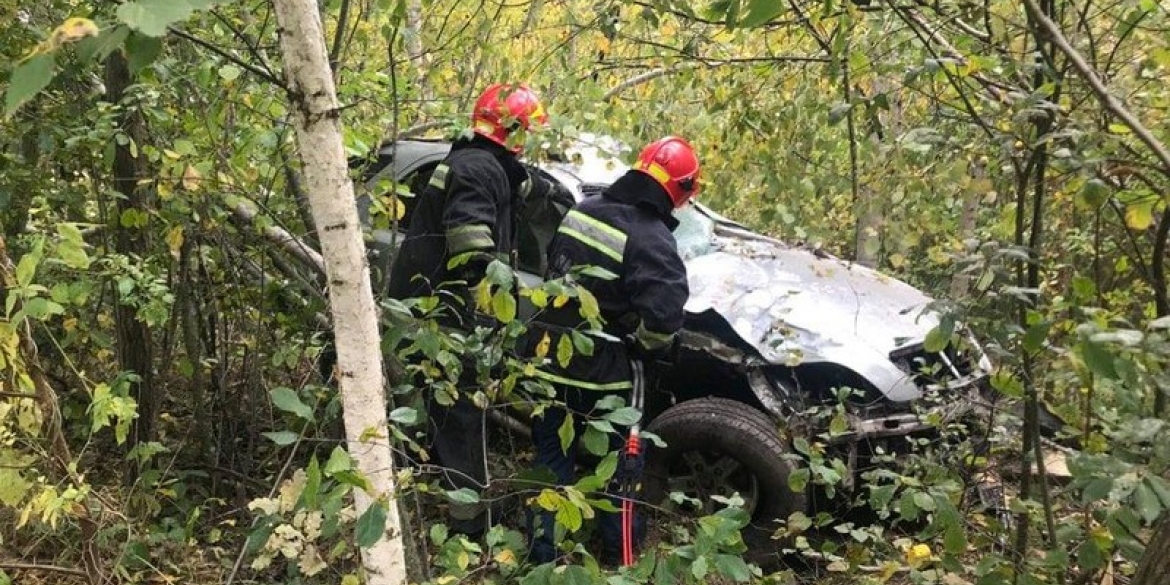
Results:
633 449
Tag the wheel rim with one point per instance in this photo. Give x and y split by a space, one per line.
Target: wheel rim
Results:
702 474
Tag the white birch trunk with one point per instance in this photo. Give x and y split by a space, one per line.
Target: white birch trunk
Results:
412 38
355 324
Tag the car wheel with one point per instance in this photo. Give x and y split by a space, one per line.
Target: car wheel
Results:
718 447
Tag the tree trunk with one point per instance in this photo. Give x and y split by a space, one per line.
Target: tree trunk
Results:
351 300
978 187
412 38
134 339
1154 568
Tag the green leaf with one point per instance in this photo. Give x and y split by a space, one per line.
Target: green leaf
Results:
839 112
152 17
504 306
286 399
624 416
589 307
798 479
312 490
564 350
607 466
838 425
733 567
760 12
462 496
339 461
1146 502
595 441
1089 554
938 337
282 438
106 42
1035 336
568 514
404 415
923 501
565 432
371 525
141 51
30 77
1161 487
439 534
699 568
955 539
1098 359
1093 194
582 343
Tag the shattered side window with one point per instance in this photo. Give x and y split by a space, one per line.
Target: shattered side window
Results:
694 232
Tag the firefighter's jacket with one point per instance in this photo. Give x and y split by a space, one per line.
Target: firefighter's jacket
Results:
627 231
466 212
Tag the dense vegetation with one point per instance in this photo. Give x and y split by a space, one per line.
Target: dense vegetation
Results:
163 414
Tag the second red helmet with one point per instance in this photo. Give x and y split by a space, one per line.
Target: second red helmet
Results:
503 108
672 162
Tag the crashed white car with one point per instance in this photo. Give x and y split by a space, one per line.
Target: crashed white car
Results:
772 330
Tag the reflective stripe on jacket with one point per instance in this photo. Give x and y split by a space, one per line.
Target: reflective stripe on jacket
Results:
626 231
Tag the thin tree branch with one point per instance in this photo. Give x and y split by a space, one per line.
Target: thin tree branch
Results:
1111 103
643 78
254 70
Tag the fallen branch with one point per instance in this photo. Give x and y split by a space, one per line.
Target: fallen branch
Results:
281 237
46 568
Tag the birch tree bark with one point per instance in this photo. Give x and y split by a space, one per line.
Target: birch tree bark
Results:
330 193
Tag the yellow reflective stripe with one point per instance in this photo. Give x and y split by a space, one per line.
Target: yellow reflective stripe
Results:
469 237
584 239
652 339
593 233
622 385
613 232
439 177
654 170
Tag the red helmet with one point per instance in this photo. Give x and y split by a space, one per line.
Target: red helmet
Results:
502 108
672 162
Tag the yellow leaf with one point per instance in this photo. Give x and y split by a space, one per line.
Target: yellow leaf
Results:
175 240
170 153
918 555
1139 215
505 557
191 178
560 301
543 345
72 30
483 295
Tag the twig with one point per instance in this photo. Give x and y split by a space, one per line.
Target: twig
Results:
47 568
254 70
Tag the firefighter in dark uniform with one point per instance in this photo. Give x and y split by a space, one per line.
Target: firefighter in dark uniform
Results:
467 213
627 231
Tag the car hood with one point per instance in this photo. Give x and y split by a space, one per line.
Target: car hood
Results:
795 305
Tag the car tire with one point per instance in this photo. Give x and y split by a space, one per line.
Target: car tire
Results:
744 442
